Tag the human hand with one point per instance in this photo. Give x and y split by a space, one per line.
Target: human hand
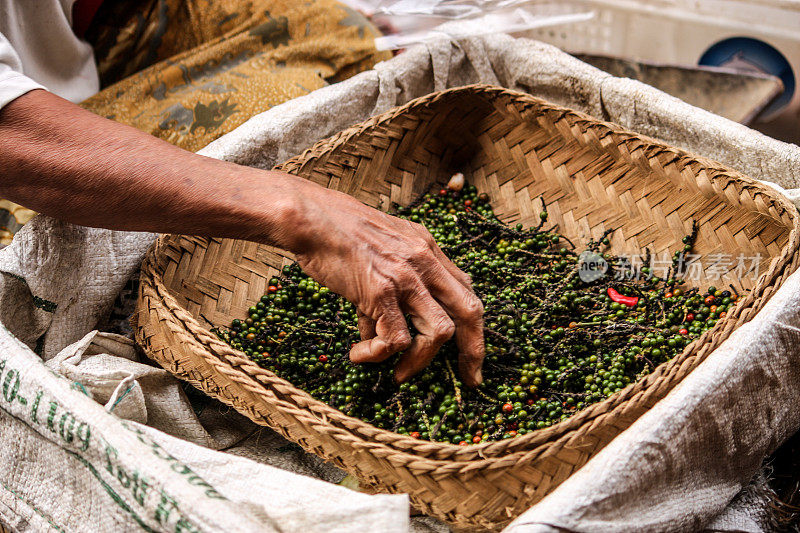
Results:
388 267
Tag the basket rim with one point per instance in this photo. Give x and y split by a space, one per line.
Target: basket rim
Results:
547 440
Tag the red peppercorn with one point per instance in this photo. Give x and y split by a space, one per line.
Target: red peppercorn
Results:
709 300
476 439
272 288
414 434
689 317
684 331
462 443
512 433
530 401
668 295
443 192
323 358
507 407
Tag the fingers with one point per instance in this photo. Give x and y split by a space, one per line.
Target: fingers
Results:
466 311
465 308
471 352
454 271
439 298
434 328
461 276
366 326
391 335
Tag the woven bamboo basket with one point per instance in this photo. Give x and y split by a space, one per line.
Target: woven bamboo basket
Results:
592 175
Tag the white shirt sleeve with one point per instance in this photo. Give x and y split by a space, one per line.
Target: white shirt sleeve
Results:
13 83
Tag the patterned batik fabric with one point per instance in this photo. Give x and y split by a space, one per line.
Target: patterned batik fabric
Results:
189 71
196 70
12 218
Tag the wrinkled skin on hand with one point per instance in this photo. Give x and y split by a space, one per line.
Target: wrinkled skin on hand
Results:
389 267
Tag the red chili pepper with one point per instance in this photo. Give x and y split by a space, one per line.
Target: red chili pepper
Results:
630 301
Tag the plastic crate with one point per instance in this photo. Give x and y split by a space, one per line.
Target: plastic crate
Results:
696 32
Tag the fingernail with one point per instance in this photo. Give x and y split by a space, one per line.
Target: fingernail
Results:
478 376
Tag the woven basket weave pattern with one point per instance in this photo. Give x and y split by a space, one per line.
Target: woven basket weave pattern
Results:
592 175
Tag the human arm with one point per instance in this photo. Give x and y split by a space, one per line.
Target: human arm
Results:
71 164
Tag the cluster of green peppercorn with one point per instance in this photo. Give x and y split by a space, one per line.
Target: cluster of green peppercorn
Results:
554 344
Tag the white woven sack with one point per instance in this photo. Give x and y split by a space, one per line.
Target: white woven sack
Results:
58 280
